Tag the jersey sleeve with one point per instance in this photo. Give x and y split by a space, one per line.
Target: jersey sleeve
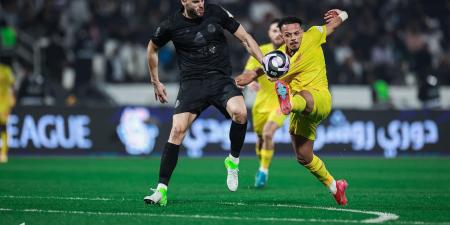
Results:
162 34
318 34
227 20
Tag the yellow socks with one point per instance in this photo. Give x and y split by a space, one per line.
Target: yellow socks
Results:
318 169
298 103
266 158
4 150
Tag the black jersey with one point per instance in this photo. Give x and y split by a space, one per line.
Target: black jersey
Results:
200 43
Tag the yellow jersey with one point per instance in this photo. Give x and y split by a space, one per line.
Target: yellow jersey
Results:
6 83
266 98
307 66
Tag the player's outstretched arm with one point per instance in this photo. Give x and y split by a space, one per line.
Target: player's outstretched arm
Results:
334 18
245 77
159 88
248 76
249 43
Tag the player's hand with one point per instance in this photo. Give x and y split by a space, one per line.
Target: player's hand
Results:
160 92
239 86
243 80
254 86
331 15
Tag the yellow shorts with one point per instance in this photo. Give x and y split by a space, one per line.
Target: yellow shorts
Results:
260 119
305 125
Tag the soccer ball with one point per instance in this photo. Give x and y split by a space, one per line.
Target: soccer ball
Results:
276 64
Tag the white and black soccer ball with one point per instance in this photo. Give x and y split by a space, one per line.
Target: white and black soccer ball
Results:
276 63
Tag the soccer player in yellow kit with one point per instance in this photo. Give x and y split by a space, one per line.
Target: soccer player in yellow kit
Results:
267 117
7 101
309 100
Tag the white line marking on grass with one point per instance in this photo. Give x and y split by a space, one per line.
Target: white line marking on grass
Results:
382 216
272 219
61 198
422 223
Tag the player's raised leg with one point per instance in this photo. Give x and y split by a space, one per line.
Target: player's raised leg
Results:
289 102
282 90
237 110
169 158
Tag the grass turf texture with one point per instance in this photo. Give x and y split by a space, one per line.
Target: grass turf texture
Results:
111 191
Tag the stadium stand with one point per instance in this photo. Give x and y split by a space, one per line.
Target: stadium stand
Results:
77 48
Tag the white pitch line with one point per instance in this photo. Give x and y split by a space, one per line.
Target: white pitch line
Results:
270 219
422 223
382 216
195 216
63 198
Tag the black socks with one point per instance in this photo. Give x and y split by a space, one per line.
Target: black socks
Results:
237 136
169 160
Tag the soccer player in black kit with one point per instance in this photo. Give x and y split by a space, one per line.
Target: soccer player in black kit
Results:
197 32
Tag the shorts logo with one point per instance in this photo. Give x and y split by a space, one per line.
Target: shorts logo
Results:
177 103
157 31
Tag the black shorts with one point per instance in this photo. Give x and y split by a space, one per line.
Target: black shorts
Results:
196 95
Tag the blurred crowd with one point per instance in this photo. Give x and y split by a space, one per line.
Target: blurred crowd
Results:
75 46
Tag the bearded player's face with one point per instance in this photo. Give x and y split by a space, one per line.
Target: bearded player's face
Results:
194 7
274 34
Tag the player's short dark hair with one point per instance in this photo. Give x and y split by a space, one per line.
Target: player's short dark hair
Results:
289 20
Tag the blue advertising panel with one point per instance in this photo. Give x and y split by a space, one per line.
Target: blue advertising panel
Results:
144 131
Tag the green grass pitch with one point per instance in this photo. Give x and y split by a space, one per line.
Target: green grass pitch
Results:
111 190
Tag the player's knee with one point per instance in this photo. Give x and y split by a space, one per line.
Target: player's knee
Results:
239 115
177 132
302 159
267 136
